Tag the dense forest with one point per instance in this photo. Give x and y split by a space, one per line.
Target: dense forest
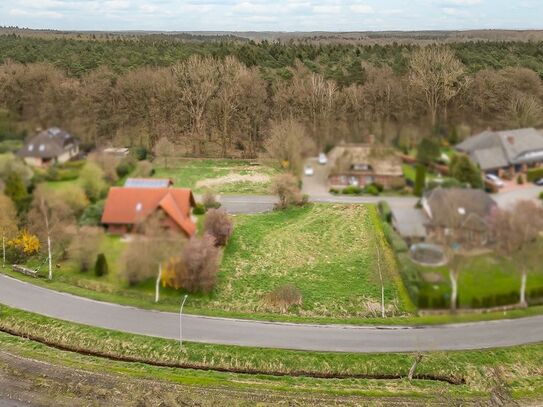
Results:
223 96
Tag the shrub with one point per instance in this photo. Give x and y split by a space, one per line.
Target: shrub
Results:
372 190
92 214
126 166
199 209
334 191
56 174
520 179
138 264
143 169
92 180
283 297
420 180
352 190
535 174
84 248
209 200
541 196
101 268
200 264
141 153
380 187
16 190
219 225
286 187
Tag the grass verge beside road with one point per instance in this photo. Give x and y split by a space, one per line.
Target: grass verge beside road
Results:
521 368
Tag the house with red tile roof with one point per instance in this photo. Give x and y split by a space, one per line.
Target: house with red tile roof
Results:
126 207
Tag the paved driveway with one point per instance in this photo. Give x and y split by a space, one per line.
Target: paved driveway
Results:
334 338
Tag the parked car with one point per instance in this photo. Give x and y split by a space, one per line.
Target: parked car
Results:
323 160
494 179
539 182
309 171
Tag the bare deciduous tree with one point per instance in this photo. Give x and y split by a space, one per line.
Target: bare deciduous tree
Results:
516 232
439 76
200 264
219 225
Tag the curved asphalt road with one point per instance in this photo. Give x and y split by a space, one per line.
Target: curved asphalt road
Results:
335 338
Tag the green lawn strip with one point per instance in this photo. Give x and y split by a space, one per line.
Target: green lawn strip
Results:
187 172
522 366
171 303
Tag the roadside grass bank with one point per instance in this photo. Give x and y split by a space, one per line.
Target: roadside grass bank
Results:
521 368
146 302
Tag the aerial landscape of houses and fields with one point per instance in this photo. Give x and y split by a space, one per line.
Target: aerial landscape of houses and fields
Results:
270 216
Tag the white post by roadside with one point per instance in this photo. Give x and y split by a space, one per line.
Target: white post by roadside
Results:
181 322
3 251
157 286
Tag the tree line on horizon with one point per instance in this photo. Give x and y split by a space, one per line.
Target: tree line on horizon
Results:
219 98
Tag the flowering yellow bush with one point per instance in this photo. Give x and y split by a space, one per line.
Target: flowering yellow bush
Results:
28 243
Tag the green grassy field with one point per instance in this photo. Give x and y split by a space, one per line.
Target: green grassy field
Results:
329 252
519 369
223 176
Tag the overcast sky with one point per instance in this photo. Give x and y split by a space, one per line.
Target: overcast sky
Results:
272 15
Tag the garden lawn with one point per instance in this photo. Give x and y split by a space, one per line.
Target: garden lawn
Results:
329 252
485 277
222 173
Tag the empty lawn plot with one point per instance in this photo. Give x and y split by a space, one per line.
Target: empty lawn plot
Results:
329 253
221 176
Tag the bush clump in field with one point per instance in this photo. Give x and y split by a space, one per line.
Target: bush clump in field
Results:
101 268
210 200
199 209
283 297
84 248
219 225
286 187
126 166
200 265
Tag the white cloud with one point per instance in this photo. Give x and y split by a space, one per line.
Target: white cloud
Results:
362 8
16 12
327 9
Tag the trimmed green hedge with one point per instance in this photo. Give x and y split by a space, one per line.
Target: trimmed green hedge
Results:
394 240
385 211
535 174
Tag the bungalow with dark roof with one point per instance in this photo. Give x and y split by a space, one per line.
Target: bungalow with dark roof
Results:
458 214
127 207
505 152
50 146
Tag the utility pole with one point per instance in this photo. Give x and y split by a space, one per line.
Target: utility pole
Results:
181 322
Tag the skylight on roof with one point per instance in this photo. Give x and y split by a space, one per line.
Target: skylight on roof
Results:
30 147
462 211
139 207
42 147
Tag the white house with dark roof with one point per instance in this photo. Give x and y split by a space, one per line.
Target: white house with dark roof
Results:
50 146
500 151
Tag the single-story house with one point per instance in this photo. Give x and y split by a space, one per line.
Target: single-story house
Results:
50 146
127 207
364 164
463 214
505 152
